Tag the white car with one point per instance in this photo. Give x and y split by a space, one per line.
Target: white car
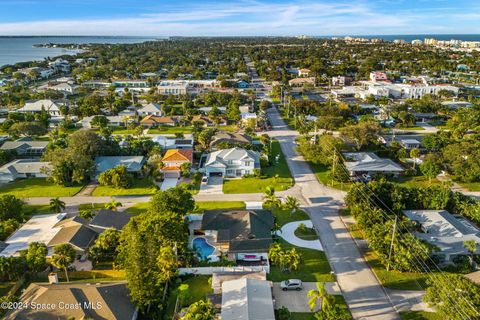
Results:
291 284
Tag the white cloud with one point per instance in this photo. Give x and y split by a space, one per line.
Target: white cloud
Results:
241 18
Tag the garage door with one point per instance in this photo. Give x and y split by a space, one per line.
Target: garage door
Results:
171 174
216 174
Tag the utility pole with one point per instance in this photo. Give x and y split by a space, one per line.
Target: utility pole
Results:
391 244
334 164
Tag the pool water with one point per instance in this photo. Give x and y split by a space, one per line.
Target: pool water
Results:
202 247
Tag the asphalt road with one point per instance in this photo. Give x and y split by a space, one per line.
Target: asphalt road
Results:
364 295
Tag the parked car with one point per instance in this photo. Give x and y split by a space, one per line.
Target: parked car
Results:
366 177
204 180
291 284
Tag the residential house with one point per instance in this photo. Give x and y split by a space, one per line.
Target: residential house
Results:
134 164
410 143
233 162
341 81
76 232
173 143
38 105
151 109
97 84
172 88
174 159
445 231
240 235
457 104
299 82
155 121
59 65
358 163
23 169
222 138
248 117
207 122
131 83
75 300
25 147
304 72
108 219
247 299
218 278
378 76
113 121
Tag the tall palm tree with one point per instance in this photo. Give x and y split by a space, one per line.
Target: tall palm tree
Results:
292 204
56 205
63 256
269 198
113 205
317 295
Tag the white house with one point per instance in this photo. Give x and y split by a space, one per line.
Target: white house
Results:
151 109
23 168
358 163
38 105
234 162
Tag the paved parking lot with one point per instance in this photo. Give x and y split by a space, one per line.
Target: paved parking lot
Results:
214 186
297 301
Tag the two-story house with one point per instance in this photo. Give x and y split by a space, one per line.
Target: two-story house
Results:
233 162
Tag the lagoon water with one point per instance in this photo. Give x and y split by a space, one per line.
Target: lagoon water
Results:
20 49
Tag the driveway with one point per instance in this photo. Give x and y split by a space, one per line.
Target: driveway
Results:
288 234
168 183
214 186
297 301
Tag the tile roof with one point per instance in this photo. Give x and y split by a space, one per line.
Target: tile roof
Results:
174 155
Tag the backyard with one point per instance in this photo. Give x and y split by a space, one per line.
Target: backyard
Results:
170 130
139 187
38 187
277 175
198 288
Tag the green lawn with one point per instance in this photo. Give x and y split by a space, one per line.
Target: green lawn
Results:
30 210
218 205
419 315
323 175
314 266
472 186
417 181
411 128
339 300
138 208
306 233
199 288
395 279
170 130
277 175
139 187
38 187
285 216
91 206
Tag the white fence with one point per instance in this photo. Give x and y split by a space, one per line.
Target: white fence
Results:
211 270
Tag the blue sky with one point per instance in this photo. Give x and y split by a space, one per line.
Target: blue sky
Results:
241 17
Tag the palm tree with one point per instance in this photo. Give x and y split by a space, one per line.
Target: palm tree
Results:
113 205
414 153
269 198
63 256
56 205
292 204
317 295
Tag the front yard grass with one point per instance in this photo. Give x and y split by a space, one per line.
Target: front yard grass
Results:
170 130
306 233
139 187
30 210
38 187
322 173
416 181
138 208
314 266
277 175
419 315
472 186
199 287
395 279
285 216
339 300
218 205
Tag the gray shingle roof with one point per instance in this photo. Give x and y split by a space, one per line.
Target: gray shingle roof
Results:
245 231
110 219
232 154
79 236
369 162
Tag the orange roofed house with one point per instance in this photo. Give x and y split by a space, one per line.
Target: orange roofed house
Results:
173 159
154 121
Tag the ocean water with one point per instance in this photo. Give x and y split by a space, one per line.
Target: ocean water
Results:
20 49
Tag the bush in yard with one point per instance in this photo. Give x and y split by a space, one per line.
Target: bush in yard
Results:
117 177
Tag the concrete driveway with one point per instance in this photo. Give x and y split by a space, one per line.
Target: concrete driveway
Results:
297 301
168 183
214 186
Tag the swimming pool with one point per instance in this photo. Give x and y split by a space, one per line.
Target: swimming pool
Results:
202 247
